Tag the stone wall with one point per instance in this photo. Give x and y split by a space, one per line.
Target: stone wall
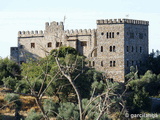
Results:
105 47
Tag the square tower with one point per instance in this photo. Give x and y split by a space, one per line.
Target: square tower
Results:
120 44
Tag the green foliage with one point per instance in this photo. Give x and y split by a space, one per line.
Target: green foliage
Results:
33 115
13 98
50 107
9 68
68 111
10 82
63 51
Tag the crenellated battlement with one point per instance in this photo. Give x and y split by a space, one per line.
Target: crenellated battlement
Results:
30 33
122 21
80 32
54 23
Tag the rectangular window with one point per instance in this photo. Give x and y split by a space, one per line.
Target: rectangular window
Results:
114 63
93 63
58 44
84 43
112 34
110 63
127 48
89 63
101 48
49 44
102 63
32 45
127 63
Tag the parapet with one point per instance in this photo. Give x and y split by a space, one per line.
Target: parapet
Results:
31 33
122 21
54 23
80 32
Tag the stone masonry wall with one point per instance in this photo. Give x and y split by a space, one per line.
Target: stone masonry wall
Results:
111 48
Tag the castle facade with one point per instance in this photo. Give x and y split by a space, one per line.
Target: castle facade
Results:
112 47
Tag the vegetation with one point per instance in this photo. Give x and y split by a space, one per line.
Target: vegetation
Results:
66 89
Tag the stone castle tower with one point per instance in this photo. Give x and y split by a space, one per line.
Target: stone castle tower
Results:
111 48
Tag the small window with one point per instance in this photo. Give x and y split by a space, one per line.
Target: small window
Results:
136 48
49 44
107 35
93 63
114 63
102 63
84 43
114 49
132 49
89 63
140 50
117 33
127 63
32 45
112 34
110 63
127 48
58 44
21 46
132 63
102 33
101 48
110 48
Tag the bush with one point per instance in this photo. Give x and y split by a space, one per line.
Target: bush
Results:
33 115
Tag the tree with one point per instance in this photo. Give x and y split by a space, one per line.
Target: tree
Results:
9 68
14 98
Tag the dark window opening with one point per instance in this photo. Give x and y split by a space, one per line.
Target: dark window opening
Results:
127 48
93 63
110 63
110 48
101 48
114 49
140 49
136 48
117 33
49 44
114 63
127 63
89 63
112 34
32 45
84 43
107 35
132 49
102 33
132 63
102 63
58 44
21 46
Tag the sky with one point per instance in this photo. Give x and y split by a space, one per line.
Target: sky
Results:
28 15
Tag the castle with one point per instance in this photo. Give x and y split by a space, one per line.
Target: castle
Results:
111 48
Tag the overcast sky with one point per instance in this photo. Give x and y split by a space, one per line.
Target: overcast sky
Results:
27 15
